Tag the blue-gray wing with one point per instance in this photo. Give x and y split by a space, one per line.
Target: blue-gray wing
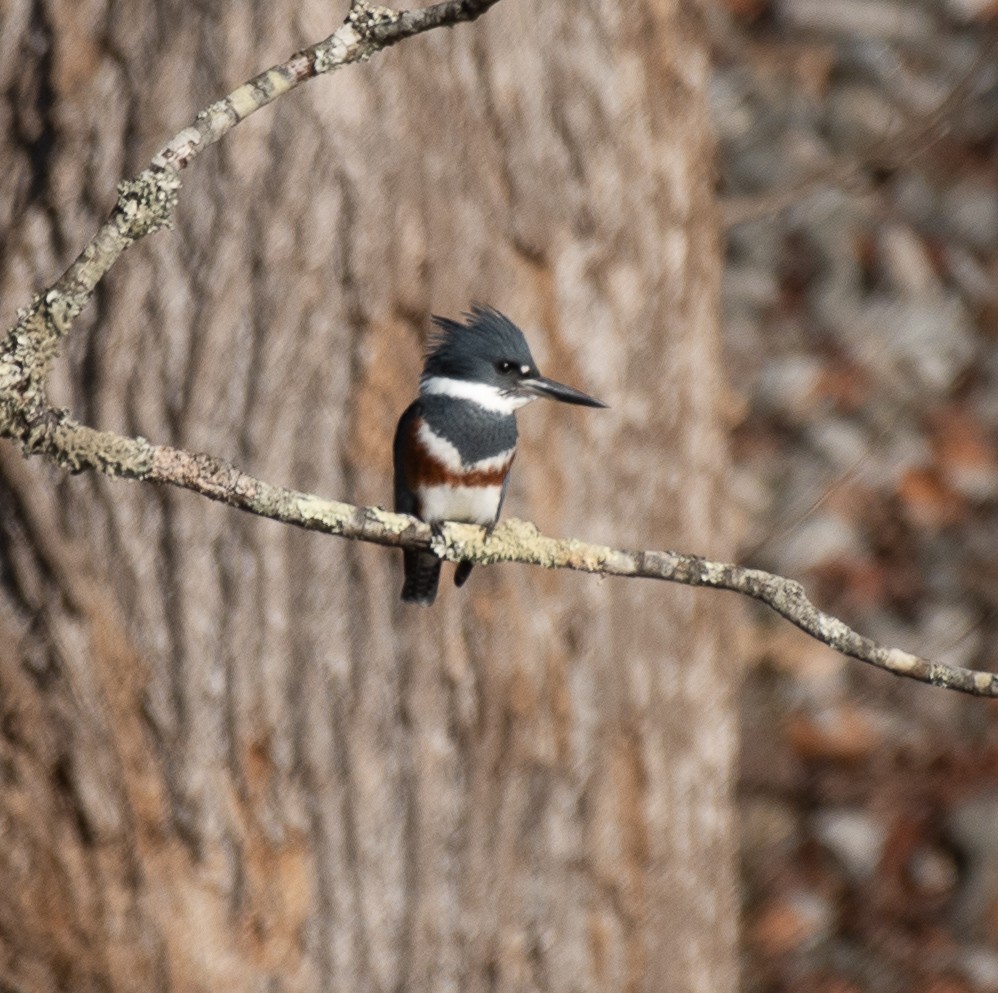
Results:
422 569
405 499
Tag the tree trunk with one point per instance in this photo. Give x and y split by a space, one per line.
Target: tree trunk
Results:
230 759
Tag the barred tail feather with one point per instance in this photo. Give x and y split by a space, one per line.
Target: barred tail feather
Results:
422 574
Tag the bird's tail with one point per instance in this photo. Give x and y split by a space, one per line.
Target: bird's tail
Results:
462 572
422 574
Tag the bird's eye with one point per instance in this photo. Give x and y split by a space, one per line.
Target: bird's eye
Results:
505 367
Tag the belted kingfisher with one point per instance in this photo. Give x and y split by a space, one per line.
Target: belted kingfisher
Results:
455 444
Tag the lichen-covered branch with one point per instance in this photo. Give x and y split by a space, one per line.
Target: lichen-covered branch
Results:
146 203
78 447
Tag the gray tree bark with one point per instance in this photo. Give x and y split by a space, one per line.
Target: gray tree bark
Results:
229 758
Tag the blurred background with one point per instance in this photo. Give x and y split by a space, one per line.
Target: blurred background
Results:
859 173
229 760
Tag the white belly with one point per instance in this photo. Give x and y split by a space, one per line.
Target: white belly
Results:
469 504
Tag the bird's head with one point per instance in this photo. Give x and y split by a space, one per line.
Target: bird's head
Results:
486 359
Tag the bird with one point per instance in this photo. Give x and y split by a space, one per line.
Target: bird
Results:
455 444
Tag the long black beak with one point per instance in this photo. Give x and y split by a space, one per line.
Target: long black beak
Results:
544 387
